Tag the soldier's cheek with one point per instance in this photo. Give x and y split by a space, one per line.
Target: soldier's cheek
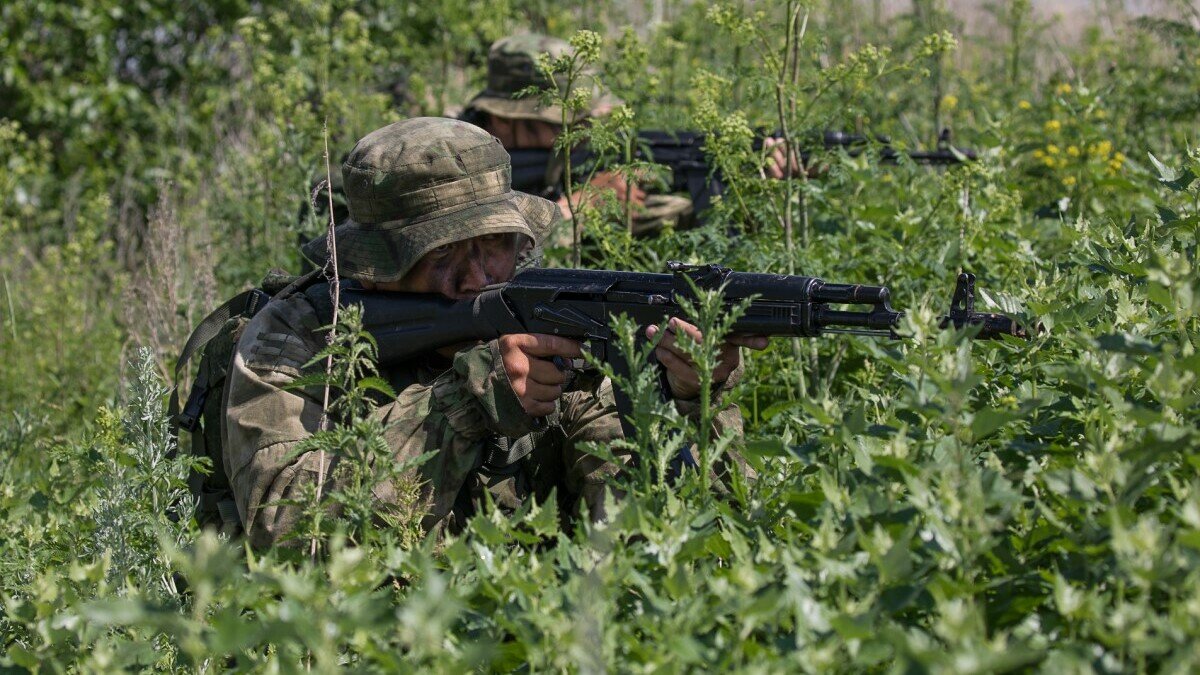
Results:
502 270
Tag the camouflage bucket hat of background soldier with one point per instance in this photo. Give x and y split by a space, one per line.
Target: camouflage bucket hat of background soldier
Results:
415 185
512 67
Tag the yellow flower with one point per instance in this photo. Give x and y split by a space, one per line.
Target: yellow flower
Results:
1052 149
1053 126
1101 149
1062 89
1101 114
1039 154
950 101
1049 161
1119 157
1068 181
1024 105
1073 150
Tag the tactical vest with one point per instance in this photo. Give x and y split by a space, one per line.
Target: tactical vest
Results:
215 340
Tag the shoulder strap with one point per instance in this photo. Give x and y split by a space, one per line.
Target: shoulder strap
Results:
246 303
207 330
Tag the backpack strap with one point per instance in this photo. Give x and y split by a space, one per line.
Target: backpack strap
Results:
505 452
246 303
214 503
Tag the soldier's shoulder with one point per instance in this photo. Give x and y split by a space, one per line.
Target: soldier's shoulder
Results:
284 336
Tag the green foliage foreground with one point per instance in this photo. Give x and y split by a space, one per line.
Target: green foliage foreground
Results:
932 504
962 507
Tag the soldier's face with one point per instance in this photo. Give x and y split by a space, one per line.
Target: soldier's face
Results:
461 270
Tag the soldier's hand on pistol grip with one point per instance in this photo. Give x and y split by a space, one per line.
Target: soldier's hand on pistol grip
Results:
529 362
778 166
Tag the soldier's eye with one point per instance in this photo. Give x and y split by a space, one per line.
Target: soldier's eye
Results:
442 250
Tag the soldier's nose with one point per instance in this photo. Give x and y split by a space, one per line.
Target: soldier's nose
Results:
474 275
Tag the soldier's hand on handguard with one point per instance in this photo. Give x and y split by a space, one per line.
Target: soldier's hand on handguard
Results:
623 190
626 190
681 371
528 360
777 167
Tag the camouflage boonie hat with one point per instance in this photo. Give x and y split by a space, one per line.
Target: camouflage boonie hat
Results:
660 210
422 183
512 67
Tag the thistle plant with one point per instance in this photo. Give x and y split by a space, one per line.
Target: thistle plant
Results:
714 317
656 424
360 458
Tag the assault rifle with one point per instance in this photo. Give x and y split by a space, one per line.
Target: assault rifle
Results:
578 303
683 152
533 170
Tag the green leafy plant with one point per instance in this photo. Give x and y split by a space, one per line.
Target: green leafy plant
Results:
360 459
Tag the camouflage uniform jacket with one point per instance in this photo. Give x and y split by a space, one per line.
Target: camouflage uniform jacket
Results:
461 410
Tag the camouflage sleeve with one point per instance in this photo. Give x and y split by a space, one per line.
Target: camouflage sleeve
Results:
265 420
727 422
455 415
591 417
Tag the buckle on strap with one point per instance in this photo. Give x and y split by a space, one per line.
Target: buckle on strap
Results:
256 301
218 503
227 509
189 418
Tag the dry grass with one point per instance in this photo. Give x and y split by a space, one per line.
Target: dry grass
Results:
174 286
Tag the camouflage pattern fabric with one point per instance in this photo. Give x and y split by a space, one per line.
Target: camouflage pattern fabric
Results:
512 67
461 411
659 211
662 210
421 183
